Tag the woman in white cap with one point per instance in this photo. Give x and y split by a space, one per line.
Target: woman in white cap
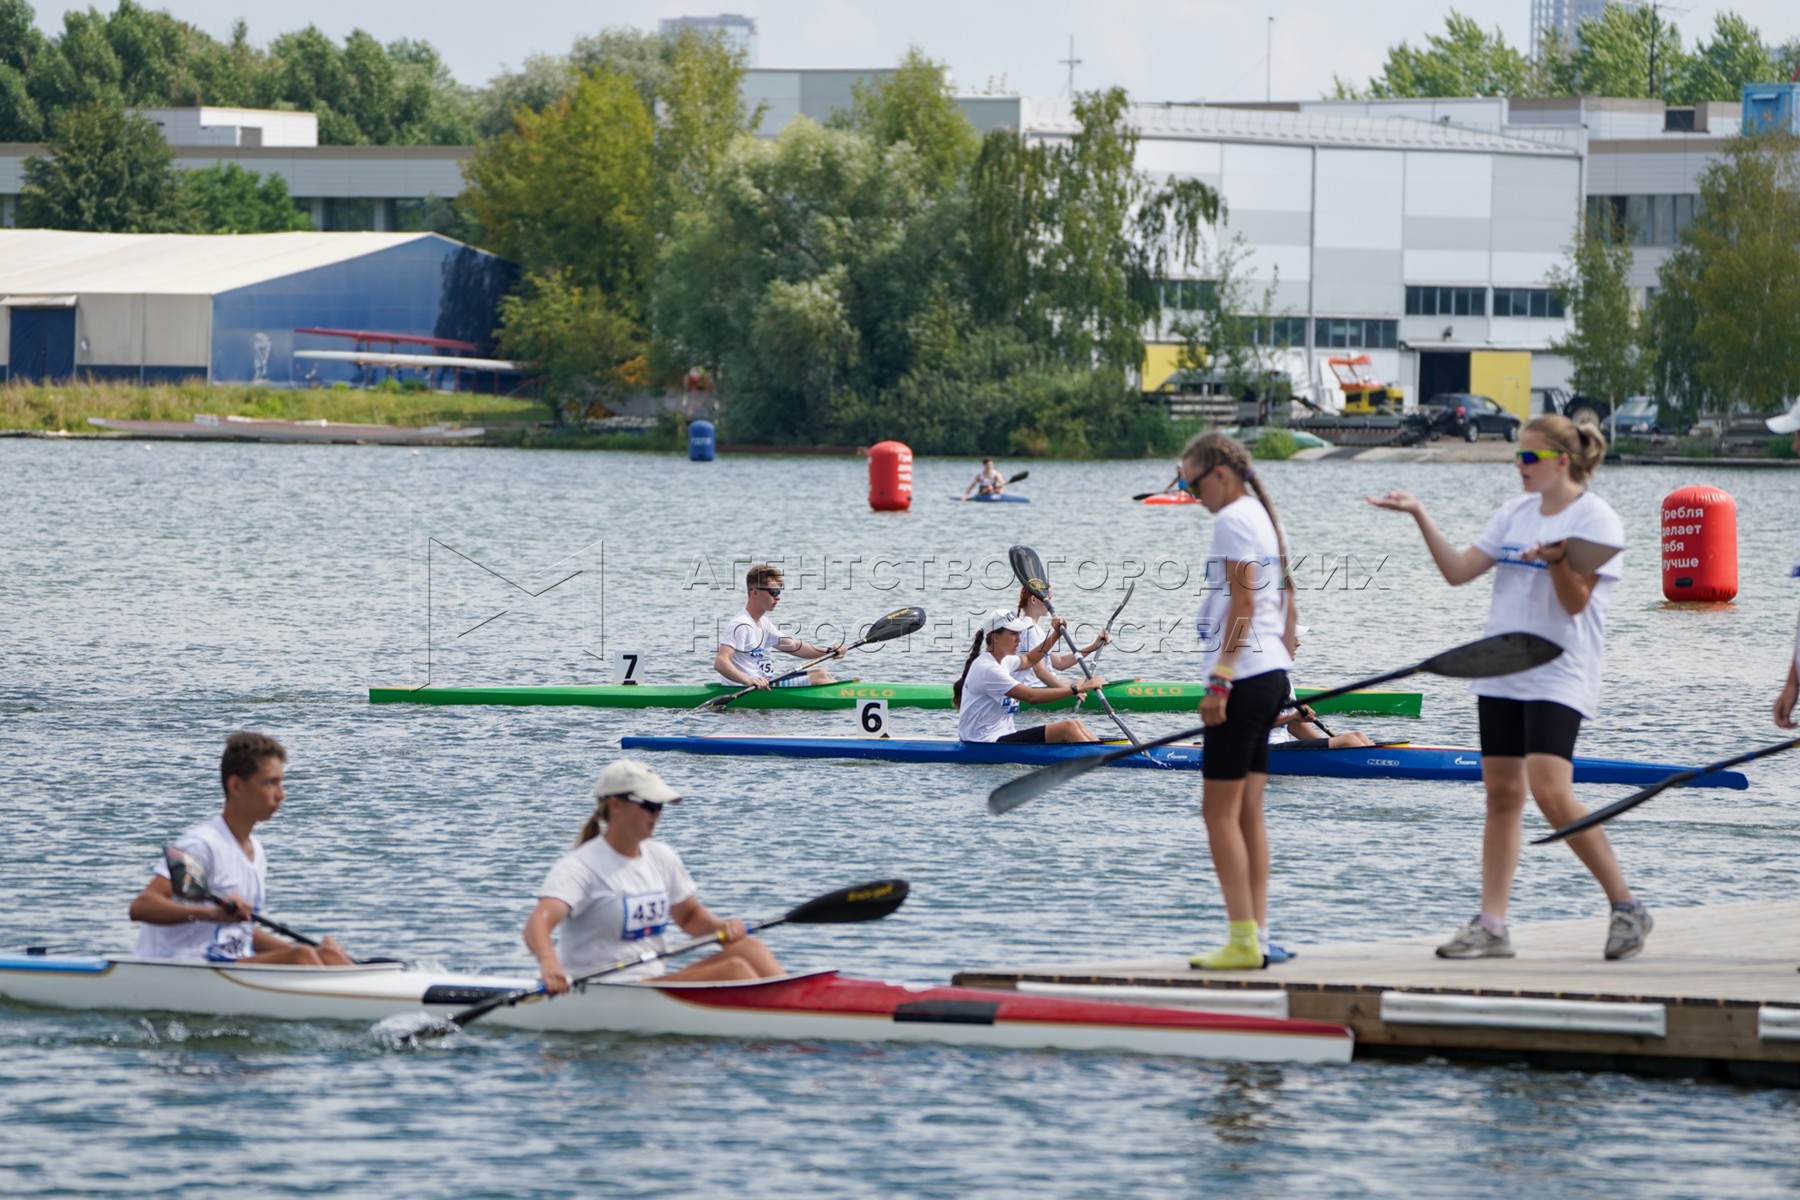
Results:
989 693
619 889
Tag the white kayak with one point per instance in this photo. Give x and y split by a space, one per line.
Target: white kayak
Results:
813 1006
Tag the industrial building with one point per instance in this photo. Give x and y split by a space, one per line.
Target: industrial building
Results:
230 309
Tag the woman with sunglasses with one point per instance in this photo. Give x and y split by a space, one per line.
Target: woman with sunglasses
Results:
619 889
1530 719
1246 626
989 693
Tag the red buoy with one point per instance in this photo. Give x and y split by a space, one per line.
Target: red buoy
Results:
890 477
1699 545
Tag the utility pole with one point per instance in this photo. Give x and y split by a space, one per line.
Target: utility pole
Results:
1071 62
1269 61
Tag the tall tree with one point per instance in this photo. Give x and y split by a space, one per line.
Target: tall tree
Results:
1746 242
1464 60
1609 357
1632 52
914 105
108 172
1721 67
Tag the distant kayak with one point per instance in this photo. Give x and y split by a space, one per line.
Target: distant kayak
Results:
1002 498
1171 498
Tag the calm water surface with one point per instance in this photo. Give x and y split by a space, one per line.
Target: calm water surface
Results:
155 596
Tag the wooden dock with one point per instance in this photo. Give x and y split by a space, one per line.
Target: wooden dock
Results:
1715 994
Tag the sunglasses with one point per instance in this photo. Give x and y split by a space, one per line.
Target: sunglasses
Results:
1532 457
650 806
776 592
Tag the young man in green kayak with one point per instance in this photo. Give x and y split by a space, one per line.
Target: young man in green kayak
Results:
252 771
750 638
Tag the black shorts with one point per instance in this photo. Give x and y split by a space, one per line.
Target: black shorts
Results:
1515 728
1323 743
1240 744
1035 734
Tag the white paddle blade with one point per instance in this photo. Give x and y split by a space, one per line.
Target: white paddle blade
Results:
187 878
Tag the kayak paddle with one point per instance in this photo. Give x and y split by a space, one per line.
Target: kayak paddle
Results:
864 902
1028 569
1501 654
1601 815
1107 628
896 624
188 880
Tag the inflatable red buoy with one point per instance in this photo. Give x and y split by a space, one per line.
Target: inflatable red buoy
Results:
1699 545
890 477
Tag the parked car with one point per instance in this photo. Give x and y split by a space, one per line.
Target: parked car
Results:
1583 410
1468 416
1637 417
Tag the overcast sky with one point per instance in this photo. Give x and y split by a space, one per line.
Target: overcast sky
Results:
1156 49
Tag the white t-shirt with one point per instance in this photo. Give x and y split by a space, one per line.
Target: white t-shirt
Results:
752 643
987 711
216 849
1029 640
618 906
1525 599
1243 532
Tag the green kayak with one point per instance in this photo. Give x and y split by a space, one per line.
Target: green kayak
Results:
1127 696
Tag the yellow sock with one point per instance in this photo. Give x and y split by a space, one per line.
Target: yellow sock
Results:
1239 953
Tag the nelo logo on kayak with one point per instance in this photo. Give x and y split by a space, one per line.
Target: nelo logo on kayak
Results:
1174 689
1384 762
871 693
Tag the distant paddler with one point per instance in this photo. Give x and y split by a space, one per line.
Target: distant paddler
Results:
989 693
987 482
750 638
619 890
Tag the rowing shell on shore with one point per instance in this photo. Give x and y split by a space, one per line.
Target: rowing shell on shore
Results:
1127 696
811 1006
1364 762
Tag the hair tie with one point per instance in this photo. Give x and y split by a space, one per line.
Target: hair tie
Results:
1249 472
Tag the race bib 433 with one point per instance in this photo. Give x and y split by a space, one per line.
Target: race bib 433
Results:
646 914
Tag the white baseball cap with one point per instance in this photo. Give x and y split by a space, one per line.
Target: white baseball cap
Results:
1787 422
999 618
629 777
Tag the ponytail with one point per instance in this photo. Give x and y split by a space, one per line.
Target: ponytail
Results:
595 823
1583 445
974 652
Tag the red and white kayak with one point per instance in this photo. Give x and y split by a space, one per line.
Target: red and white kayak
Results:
1171 498
814 1006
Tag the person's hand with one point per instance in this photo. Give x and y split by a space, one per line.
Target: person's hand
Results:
1212 709
1784 707
1545 552
837 649
1397 501
760 682
732 930
234 908
1057 625
1089 685
556 980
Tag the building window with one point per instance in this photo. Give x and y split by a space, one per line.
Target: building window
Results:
1346 333
1186 295
1279 331
349 216
1446 302
1527 302
1655 220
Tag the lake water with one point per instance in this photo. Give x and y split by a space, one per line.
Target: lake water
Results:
154 596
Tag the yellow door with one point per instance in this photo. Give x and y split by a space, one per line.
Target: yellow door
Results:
1503 376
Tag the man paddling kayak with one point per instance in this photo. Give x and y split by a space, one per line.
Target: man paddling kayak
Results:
252 771
750 638
988 480
615 894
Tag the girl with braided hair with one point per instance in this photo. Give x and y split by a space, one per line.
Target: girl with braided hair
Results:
1246 625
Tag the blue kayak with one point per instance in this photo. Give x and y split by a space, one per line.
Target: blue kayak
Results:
1369 762
1002 498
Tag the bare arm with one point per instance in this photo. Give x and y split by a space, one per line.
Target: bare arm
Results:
158 905
538 927
1458 566
723 665
1784 703
1027 694
1573 591
800 649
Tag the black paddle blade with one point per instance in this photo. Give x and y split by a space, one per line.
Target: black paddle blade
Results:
898 623
864 902
1015 792
1021 477
187 878
1602 815
1501 654
1028 569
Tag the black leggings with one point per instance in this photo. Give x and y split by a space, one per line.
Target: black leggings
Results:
1034 734
1240 744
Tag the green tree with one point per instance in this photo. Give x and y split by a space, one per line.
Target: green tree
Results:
1670 326
228 199
1464 60
1745 243
108 172
575 337
698 113
1631 52
1721 67
1609 358
1230 331
914 105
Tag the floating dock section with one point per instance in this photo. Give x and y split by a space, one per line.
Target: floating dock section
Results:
1714 994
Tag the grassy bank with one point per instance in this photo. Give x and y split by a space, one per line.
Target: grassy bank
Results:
68 407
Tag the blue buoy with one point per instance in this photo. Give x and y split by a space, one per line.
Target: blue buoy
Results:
700 442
